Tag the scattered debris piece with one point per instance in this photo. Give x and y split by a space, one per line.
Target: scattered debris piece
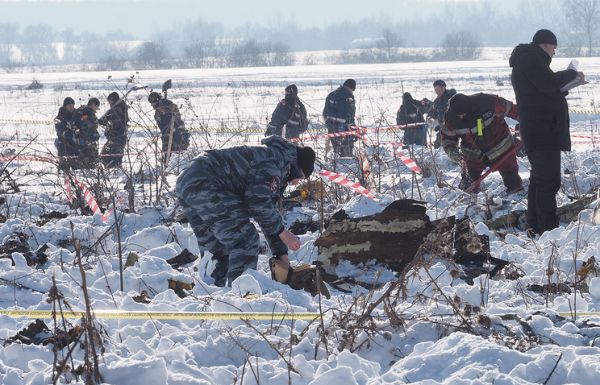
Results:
179 261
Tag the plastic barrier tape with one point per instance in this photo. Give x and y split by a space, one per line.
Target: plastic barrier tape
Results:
342 180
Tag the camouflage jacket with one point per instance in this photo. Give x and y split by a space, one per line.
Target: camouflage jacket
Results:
258 174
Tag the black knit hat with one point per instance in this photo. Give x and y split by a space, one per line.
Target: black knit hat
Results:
112 97
153 97
68 100
460 104
291 90
439 83
350 83
94 101
306 160
544 36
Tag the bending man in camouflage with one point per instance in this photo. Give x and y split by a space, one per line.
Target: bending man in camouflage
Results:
223 189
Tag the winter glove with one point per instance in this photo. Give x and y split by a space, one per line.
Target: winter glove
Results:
454 154
304 277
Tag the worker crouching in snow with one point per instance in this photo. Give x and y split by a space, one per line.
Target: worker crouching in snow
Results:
223 189
478 122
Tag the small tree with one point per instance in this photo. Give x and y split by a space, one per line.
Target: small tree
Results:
461 45
151 54
583 17
389 44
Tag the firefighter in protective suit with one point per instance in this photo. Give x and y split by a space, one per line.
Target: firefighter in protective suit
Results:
477 122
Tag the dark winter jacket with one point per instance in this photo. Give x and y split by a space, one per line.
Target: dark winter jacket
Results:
543 107
290 113
411 111
340 106
438 107
115 121
257 174
494 138
64 125
162 114
86 127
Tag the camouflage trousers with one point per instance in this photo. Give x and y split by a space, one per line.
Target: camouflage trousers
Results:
221 223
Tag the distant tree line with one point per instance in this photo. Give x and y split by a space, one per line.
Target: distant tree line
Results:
202 44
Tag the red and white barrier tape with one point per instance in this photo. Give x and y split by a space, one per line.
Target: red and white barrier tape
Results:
356 131
342 180
408 162
88 197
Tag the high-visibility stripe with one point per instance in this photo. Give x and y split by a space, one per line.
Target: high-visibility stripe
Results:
479 127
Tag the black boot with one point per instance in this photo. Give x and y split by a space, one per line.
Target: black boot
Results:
219 274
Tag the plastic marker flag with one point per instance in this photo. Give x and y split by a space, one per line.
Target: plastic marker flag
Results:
89 199
163 315
342 180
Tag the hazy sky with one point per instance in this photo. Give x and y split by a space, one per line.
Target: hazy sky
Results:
143 17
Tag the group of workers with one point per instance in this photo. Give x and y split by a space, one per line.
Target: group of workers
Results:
77 133
223 190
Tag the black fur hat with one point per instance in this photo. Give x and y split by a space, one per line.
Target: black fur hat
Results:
153 97
460 104
112 97
350 83
306 160
291 90
68 100
544 36
94 101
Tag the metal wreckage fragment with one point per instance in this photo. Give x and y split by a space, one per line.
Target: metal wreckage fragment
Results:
394 236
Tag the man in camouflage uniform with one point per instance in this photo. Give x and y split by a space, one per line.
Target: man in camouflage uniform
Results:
436 109
65 135
291 113
338 113
172 128
223 189
86 134
115 120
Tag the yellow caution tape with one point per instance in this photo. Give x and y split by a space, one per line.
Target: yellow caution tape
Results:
580 314
146 315
585 111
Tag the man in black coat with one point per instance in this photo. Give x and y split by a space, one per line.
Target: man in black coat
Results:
544 122
411 112
65 135
115 120
291 113
338 113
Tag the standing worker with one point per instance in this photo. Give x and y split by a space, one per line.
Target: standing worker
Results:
544 123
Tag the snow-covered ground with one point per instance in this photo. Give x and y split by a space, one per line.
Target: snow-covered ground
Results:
433 329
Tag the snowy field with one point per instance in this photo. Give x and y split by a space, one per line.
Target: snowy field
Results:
434 328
